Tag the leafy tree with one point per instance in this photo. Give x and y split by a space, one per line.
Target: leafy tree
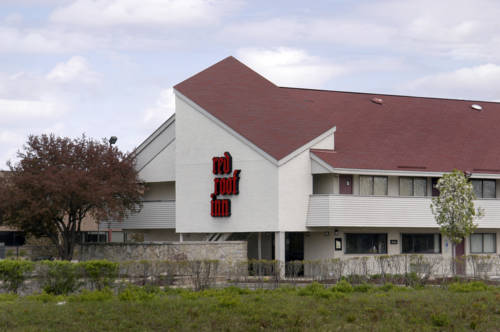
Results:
454 207
58 181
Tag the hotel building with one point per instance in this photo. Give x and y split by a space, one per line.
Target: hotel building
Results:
313 174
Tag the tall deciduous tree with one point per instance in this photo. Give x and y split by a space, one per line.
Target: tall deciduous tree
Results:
454 207
58 181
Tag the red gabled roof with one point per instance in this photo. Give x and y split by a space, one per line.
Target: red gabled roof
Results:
265 114
403 133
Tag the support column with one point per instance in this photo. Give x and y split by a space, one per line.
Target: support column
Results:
259 245
181 237
279 251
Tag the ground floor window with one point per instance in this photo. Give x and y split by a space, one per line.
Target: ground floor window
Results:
366 243
94 237
421 243
483 243
12 238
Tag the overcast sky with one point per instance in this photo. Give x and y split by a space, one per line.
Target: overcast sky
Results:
106 67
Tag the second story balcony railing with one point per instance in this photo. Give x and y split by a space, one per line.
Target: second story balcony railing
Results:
153 215
384 211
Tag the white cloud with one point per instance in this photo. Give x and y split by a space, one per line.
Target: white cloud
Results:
163 109
75 69
15 110
46 40
323 30
144 12
456 29
477 82
290 66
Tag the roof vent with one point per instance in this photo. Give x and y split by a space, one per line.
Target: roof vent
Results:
377 100
477 107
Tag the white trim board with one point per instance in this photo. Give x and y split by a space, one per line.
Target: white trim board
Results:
155 134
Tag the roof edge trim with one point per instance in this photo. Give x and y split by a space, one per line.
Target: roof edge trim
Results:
224 126
157 154
393 172
306 146
155 134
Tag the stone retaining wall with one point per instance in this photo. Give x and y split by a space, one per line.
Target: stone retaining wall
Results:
227 251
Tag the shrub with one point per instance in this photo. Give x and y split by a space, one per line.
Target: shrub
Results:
60 277
363 288
386 287
13 273
440 319
317 290
8 297
45 297
134 293
93 296
101 273
473 286
202 273
343 286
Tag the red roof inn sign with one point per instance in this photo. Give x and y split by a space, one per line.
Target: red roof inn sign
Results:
224 185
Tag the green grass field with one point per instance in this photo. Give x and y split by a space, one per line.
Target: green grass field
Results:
364 308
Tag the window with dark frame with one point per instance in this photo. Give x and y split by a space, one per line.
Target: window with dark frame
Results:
94 237
483 243
484 188
421 243
373 185
360 243
409 186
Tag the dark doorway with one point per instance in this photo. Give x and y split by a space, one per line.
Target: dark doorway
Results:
345 184
294 252
294 246
460 258
435 191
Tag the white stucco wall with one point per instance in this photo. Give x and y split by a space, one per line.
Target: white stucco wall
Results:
162 166
198 140
156 191
295 186
160 235
320 244
328 143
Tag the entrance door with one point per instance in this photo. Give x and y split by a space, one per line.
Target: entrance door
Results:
345 184
460 258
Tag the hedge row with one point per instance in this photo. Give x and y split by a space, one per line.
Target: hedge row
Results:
57 277
64 277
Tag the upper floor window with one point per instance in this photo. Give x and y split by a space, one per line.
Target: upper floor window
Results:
373 185
484 188
412 186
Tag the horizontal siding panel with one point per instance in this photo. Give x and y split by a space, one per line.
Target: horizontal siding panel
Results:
379 211
154 215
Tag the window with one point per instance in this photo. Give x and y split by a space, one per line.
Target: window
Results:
373 185
412 186
483 243
484 188
366 243
95 237
12 238
421 243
